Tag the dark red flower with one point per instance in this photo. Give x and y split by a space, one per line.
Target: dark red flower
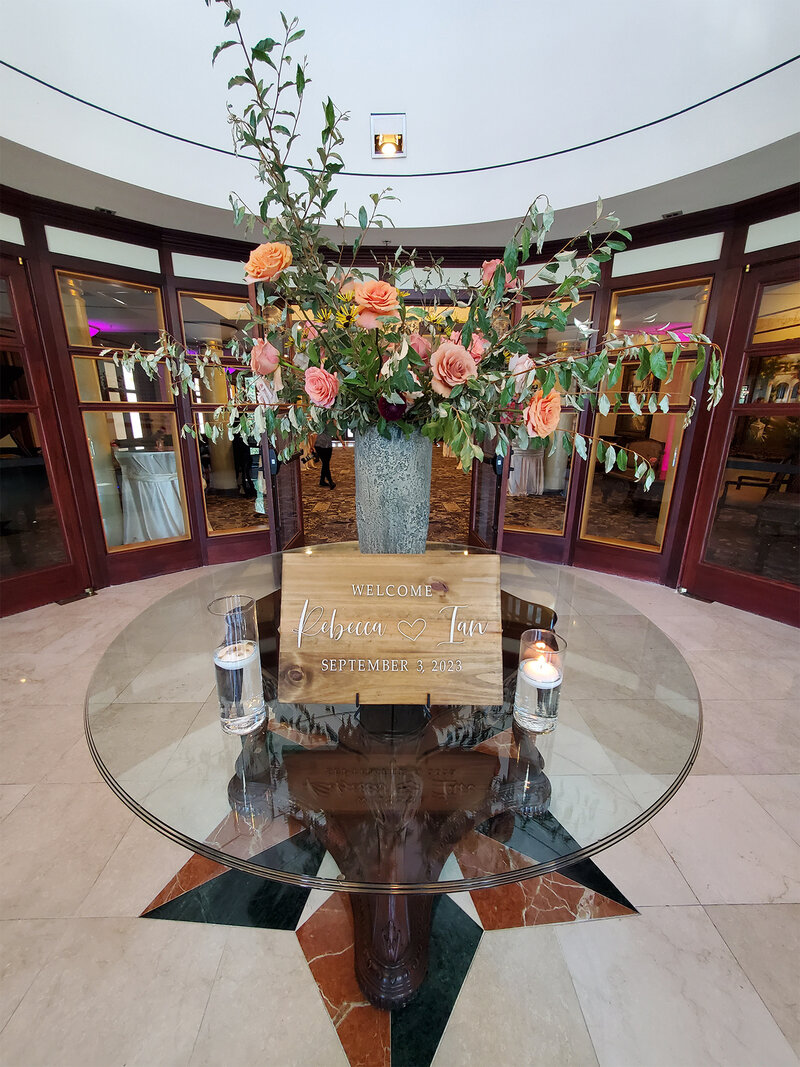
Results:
391 412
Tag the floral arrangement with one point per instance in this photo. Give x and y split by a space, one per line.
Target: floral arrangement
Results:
329 345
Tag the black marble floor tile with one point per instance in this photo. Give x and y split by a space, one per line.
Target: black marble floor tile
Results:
236 898
417 1029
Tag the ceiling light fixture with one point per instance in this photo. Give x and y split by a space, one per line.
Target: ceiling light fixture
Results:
388 144
388 135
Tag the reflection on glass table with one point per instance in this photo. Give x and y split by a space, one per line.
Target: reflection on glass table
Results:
405 801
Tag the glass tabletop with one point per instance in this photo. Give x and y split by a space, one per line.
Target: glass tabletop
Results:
386 799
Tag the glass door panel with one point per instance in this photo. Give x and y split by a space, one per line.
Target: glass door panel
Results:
778 317
756 527
538 484
138 476
232 481
30 533
101 381
107 313
617 510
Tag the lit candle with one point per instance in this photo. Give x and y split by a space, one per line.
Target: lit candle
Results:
542 673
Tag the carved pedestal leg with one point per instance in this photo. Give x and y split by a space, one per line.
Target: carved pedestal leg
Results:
392 936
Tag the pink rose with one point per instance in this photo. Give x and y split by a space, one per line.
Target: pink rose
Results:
309 331
451 365
488 269
264 358
478 346
542 415
421 345
519 367
322 388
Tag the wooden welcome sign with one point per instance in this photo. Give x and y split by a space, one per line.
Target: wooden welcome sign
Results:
391 628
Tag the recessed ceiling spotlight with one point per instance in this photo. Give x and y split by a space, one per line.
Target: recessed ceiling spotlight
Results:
388 135
388 144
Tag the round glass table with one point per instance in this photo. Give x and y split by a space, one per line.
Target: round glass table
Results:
392 804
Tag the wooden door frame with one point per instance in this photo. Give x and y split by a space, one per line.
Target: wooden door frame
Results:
750 592
71 578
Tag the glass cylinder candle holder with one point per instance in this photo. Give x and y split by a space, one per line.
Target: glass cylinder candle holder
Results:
539 677
238 665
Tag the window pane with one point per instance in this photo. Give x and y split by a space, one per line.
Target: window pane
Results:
220 385
678 389
569 340
772 380
617 509
212 320
103 313
757 523
101 380
8 326
30 533
138 475
680 309
233 483
12 376
538 483
778 313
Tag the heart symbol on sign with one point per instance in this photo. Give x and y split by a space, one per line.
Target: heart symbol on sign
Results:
412 630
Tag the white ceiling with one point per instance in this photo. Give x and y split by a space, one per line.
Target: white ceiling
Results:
481 84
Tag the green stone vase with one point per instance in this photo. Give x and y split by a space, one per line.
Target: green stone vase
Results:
393 491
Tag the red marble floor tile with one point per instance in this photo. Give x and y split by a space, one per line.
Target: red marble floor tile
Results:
551 898
197 871
326 939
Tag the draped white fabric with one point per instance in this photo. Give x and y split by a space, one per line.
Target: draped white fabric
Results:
526 477
151 499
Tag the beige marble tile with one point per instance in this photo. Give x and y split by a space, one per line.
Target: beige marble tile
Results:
514 1011
644 871
54 844
765 939
35 742
779 794
137 870
755 676
75 766
172 677
37 679
769 744
727 847
11 795
265 1007
662 988
25 947
121 991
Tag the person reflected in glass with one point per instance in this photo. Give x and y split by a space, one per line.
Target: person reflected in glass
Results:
324 449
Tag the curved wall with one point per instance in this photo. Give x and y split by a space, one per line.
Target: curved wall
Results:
480 85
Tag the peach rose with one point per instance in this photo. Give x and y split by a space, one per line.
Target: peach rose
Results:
488 268
451 365
309 331
421 345
519 367
322 388
374 299
542 415
267 261
264 358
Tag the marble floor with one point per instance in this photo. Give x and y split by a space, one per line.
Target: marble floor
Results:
706 973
